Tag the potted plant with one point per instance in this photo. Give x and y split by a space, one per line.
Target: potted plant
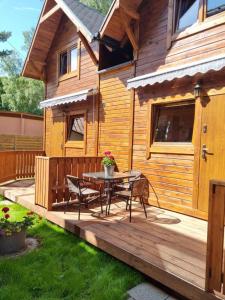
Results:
13 233
109 163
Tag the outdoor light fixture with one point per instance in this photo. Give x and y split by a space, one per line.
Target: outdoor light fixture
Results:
197 89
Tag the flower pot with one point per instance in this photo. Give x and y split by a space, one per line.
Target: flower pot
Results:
13 243
109 170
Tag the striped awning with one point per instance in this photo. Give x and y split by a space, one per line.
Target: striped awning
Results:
169 74
71 98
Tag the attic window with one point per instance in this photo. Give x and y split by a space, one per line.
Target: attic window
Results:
114 53
215 6
63 63
68 62
186 13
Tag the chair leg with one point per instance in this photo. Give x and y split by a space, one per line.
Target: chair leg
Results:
67 204
79 211
130 207
100 197
127 203
143 204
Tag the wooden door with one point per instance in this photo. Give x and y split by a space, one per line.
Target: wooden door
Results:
57 136
212 159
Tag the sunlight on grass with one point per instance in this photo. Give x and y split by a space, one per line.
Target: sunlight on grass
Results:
63 267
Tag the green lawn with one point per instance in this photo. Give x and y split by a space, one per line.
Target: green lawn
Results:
64 267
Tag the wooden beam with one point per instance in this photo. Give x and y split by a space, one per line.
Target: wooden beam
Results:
130 12
49 13
128 29
88 48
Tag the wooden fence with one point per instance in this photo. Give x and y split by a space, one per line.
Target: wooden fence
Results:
17 164
20 142
50 178
215 261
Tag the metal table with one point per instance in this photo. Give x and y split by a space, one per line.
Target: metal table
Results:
109 180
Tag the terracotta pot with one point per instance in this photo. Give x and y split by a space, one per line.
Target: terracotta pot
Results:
14 243
109 170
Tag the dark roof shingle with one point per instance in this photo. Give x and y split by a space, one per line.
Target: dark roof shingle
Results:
89 17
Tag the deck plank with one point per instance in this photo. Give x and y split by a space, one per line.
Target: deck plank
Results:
169 247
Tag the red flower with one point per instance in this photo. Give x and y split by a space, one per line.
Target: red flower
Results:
111 157
30 213
5 209
107 153
7 216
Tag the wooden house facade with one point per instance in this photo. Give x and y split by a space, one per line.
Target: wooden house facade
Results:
147 84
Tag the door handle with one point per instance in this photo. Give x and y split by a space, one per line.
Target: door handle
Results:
205 151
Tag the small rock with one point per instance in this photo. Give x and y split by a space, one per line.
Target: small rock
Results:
146 291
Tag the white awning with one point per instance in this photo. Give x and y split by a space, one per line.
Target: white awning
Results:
75 97
169 74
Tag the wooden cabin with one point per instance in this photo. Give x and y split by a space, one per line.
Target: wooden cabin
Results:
65 56
172 89
146 82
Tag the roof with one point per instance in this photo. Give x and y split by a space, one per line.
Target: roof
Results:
215 63
87 20
112 24
90 18
71 98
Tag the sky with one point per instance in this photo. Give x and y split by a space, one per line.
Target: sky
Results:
18 16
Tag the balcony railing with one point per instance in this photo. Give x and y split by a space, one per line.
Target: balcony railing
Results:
50 178
17 164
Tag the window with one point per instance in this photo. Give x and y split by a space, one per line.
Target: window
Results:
63 63
174 123
187 17
186 13
73 59
76 128
68 62
215 6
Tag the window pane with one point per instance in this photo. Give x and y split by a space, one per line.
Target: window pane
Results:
76 130
63 63
174 123
73 59
215 6
187 13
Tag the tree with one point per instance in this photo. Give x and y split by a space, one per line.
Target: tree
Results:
28 36
22 94
11 65
4 36
100 5
18 93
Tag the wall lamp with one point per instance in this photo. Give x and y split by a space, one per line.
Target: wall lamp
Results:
197 89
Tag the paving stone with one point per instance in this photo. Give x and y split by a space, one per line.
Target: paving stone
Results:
6 202
146 291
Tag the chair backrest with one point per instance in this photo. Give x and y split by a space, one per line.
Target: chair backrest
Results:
137 175
140 188
73 184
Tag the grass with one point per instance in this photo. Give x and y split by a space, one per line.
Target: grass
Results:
63 267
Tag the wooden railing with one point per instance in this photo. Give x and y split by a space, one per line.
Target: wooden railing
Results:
215 261
17 164
50 178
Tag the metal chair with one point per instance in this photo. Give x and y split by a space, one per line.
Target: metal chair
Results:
139 189
80 190
127 184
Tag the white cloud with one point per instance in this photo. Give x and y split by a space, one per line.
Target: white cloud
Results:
25 8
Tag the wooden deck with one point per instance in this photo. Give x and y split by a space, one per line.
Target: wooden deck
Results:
168 247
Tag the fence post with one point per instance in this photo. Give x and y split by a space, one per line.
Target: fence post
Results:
215 239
